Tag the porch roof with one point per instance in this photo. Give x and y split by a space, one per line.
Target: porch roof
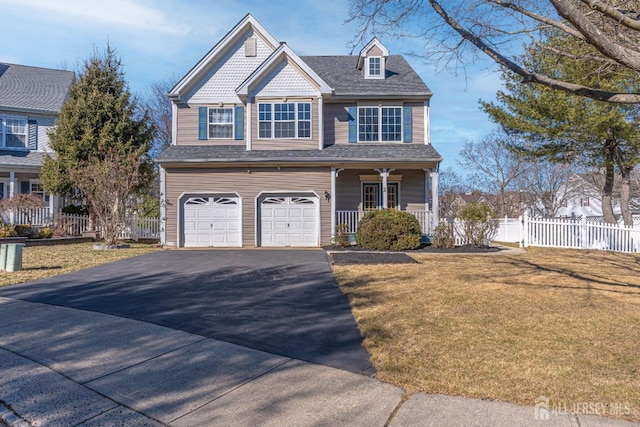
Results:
21 159
339 153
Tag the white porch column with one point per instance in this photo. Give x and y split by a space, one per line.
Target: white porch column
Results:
163 207
12 192
385 201
320 126
12 184
434 197
427 191
334 175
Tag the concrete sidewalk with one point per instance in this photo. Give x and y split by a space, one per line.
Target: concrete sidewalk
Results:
67 367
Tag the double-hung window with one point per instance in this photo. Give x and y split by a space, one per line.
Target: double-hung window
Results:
13 132
374 66
221 123
379 124
288 120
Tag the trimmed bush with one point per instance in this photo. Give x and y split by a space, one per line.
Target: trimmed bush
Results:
389 229
478 224
25 230
443 236
45 233
7 230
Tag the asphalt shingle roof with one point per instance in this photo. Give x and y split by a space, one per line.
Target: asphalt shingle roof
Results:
18 158
32 88
341 74
342 153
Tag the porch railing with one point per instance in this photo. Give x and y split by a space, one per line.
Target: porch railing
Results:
352 218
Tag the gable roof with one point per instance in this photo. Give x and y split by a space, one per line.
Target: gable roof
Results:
341 74
33 89
201 67
283 51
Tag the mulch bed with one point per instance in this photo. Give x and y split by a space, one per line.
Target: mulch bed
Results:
358 255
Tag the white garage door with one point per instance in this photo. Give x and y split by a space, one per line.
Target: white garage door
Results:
289 221
212 221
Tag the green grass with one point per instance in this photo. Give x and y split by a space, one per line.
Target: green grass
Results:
39 262
557 323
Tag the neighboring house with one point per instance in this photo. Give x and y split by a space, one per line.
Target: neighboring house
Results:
274 149
584 196
30 100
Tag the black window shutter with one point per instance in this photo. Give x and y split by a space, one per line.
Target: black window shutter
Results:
33 135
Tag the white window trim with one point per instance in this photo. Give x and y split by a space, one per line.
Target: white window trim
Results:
3 131
273 120
233 121
380 107
367 68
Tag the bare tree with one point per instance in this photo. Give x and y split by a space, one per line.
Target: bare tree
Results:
608 30
450 185
158 105
547 185
110 199
494 167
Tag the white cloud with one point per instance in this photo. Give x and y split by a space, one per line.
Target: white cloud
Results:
119 13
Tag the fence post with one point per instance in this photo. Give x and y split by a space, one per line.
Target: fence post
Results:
583 232
524 230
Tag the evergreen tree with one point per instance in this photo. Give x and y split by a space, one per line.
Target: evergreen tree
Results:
99 115
569 128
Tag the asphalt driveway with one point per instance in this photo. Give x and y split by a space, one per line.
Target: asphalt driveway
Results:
285 302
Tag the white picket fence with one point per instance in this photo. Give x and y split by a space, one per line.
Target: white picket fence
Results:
580 233
75 225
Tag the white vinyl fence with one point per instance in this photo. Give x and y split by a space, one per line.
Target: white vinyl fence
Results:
580 233
75 225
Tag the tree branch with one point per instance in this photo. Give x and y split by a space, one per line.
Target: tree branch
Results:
530 76
595 36
543 19
613 13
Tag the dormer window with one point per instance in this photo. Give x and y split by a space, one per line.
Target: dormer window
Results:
374 66
372 60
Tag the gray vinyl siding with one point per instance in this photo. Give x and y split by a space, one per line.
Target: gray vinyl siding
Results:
336 121
248 186
188 128
349 189
284 144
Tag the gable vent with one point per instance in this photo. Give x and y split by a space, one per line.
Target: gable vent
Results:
251 47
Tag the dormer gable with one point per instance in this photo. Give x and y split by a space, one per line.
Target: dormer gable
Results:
227 64
284 62
372 60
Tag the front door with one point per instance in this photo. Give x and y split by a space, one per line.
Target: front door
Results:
372 196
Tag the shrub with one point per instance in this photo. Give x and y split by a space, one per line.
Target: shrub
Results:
443 236
478 226
389 229
75 210
7 230
45 233
342 236
25 230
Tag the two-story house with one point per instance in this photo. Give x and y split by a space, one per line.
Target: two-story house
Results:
275 149
30 100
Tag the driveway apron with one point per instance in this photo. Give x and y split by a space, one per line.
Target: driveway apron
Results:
285 302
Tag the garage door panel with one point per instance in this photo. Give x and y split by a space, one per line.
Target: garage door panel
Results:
212 221
289 221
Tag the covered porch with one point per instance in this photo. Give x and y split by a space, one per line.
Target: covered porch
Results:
358 190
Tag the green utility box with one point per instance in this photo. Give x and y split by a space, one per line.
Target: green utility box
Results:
11 256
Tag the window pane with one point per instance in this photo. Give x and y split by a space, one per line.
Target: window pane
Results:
392 196
370 197
304 129
264 112
16 132
264 130
221 131
284 130
391 124
374 66
368 124
221 123
304 111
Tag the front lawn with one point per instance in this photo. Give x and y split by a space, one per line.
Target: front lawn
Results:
562 324
39 262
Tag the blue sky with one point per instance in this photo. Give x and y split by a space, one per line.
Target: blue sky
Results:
159 38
